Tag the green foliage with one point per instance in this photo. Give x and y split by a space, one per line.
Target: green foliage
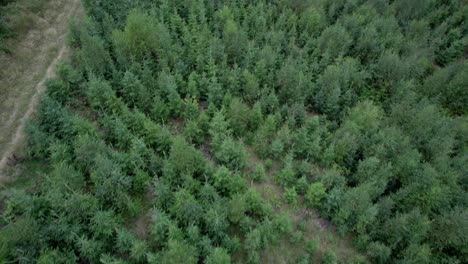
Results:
232 154
143 135
329 257
38 141
104 223
193 132
333 42
312 246
379 252
315 193
179 252
259 173
219 130
138 251
297 237
253 241
134 92
218 256
140 37
184 161
239 117
235 41
286 176
446 86
283 224
216 222
186 209
264 136
290 196
339 87
228 183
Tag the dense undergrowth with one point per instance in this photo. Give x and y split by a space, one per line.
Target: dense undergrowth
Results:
361 103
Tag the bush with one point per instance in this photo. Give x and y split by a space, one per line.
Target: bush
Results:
186 209
193 133
38 141
239 116
237 207
283 224
379 252
253 243
312 247
297 237
138 251
184 161
290 196
302 185
315 193
58 90
232 154
218 130
259 173
228 183
286 176
304 259
191 111
277 149
218 256
329 257
179 252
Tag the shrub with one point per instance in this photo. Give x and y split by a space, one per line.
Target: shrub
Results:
304 259
193 133
315 194
139 250
191 111
283 224
312 246
329 257
239 116
58 90
38 141
218 130
253 243
296 237
277 149
259 173
184 161
179 252
218 256
302 185
186 208
286 176
290 196
268 164
125 240
237 208
379 252
228 183
232 154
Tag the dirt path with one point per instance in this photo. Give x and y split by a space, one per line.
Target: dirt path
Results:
22 91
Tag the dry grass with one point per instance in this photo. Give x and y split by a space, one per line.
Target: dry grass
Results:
41 27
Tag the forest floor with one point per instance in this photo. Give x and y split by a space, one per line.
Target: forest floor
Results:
40 44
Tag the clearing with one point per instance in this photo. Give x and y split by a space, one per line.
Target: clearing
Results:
35 53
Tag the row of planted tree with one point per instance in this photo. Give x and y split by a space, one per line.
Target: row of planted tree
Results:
357 106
